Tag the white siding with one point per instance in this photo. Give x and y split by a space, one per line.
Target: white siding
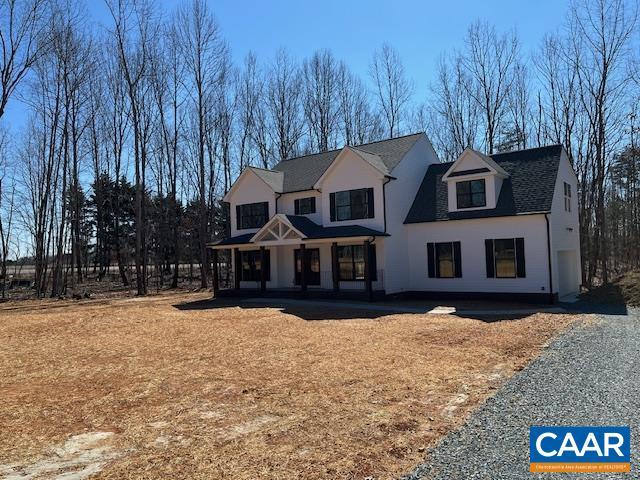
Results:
565 231
400 194
251 189
350 173
472 234
286 204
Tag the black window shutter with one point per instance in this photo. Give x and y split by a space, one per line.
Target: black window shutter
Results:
296 206
520 265
488 247
313 205
457 259
332 206
431 260
238 224
370 207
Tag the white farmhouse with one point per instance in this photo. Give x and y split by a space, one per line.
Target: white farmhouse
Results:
387 218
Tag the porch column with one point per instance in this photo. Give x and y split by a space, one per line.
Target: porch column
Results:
216 285
263 271
303 267
335 268
367 270
237 269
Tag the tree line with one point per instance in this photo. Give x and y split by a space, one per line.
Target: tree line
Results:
137 128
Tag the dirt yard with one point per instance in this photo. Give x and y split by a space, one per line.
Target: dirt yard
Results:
175 387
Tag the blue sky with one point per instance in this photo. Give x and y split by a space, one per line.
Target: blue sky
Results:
420 30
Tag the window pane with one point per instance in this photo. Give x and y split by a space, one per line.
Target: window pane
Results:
505 256
477 186
471 194
444 252
343 213
478 199
342 198
314 261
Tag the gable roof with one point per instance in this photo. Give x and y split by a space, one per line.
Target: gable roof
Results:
308 228
301 173
312 230
274 179
488 161
528 189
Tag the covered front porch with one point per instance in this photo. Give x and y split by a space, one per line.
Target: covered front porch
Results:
292 256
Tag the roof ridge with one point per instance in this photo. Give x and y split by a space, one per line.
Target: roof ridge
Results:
526 149
354 146
263 169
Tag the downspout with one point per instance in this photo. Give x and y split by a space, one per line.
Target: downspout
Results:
384 202
551 299
278 195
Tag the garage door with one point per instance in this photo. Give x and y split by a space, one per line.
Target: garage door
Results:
567 272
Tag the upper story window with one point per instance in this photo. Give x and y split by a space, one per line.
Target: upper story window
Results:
252 215
305 206
471 193
567 197
352 204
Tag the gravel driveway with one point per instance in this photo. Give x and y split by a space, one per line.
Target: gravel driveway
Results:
588 376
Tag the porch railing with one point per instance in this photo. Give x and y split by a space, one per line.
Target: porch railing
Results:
226 281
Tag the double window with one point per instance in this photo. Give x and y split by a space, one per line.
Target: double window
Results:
567 197
505 258
251 265
445 260
252 215
351 264
351 204
471 194
305 206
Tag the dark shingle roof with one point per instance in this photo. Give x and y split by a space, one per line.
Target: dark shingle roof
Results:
237 240
301 173
274 179
529 188
314 231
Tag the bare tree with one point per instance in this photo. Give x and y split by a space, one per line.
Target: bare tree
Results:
392 89
489 60
600 33
204 53
7 209
21 28
133 41
320 99
249 90
284 91
455 115
357 121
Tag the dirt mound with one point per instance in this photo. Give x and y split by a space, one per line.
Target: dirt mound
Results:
625 289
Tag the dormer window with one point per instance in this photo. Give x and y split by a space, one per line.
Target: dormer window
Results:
471 194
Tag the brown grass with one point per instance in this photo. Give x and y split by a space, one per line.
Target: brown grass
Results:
246 393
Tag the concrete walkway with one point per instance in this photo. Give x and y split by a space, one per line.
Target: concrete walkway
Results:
588 376
395 308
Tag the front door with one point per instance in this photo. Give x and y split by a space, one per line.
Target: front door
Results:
312 273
